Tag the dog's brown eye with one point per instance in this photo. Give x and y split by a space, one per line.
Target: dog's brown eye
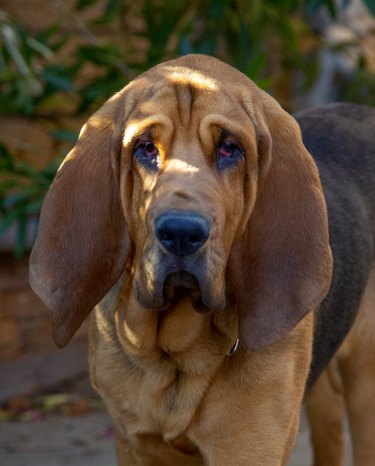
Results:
147 154
227 153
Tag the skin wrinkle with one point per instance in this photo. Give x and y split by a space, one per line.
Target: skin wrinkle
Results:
185 101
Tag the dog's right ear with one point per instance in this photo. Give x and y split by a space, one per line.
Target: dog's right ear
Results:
82 245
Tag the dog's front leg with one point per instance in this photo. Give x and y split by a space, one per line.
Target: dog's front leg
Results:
152 450
124 452
250 415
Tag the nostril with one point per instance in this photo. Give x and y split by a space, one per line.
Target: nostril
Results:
167 239
166 236
194 239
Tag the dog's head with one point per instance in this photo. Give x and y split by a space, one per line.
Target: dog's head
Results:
197 182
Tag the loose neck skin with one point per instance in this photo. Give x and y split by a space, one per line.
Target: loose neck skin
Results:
176 333
171 357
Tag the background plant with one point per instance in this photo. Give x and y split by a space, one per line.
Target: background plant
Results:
271 41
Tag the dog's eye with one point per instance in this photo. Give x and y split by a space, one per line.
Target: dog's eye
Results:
147 154
227 153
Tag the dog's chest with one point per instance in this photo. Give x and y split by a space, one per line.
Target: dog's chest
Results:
165 400
159 386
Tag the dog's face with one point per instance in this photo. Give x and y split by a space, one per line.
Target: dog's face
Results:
190 157
198 182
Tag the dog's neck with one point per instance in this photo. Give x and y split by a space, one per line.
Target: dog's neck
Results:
177 333
166 354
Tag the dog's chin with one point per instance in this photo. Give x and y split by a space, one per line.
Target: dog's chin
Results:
176 286
180 284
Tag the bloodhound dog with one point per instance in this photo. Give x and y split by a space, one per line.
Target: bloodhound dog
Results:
192 215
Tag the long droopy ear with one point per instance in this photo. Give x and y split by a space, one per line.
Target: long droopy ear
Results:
82 243
282 264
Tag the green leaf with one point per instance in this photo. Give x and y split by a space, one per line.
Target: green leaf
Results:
25 170
265 83
331 8
64 135
46 34
20 246
370 5
6 159
9 218
14 201
101 89
58 77
102 55
6 185
256 66
82 4
33 208
113 10
312 7
50 170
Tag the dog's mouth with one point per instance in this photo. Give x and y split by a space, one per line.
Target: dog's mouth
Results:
174 286
165 280
180 284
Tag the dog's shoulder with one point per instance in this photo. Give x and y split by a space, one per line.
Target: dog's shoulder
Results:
342 141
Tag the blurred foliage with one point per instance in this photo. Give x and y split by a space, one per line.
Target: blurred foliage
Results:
22 190
269 40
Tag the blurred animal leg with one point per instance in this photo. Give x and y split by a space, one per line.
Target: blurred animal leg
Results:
325 410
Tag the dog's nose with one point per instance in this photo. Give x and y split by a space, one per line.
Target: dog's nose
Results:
182 233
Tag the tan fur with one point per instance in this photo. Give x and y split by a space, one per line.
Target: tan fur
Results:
163 369
198 395
348 382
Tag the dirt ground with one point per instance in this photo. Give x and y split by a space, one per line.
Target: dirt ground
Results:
86 440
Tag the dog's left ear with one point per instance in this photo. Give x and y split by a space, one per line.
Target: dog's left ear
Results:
281 267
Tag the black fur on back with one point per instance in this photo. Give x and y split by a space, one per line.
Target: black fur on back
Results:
341 138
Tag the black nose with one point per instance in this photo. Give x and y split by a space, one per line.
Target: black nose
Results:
182 233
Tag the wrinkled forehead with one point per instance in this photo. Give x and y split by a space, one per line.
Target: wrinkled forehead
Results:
182 96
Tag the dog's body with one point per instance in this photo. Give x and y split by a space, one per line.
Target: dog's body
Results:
191 195
341 139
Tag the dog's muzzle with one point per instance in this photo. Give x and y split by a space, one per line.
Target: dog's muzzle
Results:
180 263
182 236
